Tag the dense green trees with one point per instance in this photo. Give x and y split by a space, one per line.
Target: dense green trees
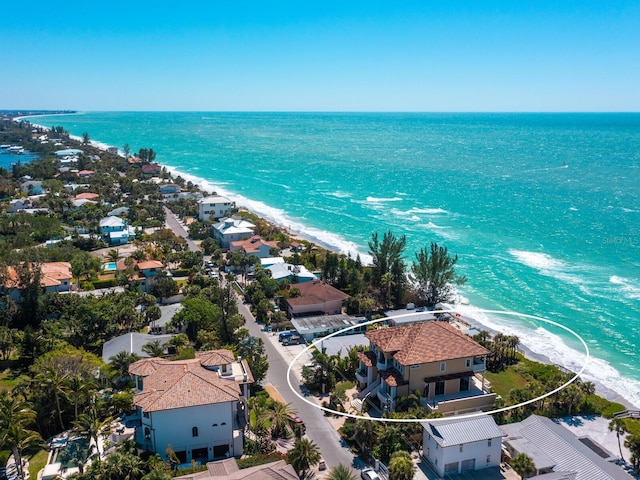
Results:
523 465
435 276
389 269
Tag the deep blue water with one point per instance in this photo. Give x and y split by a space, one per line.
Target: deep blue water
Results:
542 209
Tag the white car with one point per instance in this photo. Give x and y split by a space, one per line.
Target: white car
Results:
369 474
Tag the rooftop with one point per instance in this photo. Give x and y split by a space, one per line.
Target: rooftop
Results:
425 342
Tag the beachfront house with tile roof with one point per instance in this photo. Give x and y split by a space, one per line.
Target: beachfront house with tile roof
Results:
115 231
461 444
557 453
229 230
55 277
316 298
198 406
254 245
213 206
151 169
434 358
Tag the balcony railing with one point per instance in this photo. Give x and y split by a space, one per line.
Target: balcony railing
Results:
362 375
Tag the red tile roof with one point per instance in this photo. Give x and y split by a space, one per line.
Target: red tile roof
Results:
425 342
212 358
179 384
368 358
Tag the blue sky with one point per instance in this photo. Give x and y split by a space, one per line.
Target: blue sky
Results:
321 56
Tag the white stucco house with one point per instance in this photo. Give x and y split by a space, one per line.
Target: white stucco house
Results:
214 206
197 406
461 444
229 230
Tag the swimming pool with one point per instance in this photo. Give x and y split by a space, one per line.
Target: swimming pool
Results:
109 267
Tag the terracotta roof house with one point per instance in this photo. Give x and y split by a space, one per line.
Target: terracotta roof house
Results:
254 245
229 470
434 358
87 196
316 297
197 405
55 277
85 173
151 169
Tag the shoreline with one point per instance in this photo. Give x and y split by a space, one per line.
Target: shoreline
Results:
298 231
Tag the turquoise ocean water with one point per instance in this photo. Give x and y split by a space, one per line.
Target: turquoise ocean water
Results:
543 209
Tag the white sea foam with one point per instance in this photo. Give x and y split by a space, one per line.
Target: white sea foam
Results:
339 194
630 288
278 216
414 211
542 342
383 199
547 265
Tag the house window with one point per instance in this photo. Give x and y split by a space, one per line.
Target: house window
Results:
488 444
461 447
488 458
147 433
443 366
468 362
194 432
413 367
440 388
425 392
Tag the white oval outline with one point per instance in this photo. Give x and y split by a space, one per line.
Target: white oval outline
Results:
466 415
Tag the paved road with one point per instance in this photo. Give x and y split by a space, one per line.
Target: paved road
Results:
319 430
174 224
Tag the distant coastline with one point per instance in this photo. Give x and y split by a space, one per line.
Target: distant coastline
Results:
438 225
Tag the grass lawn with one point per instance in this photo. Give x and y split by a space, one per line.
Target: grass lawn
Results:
503 382
37 461
8 379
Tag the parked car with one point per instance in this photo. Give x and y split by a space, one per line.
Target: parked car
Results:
285 335
299 421
292 340
322 465
369 474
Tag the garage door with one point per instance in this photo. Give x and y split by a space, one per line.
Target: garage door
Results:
469 464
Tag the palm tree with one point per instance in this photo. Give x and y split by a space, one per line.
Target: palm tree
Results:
119 366
617 425
401 466
56 382
154 349
78 388
15 417
127 150
91 427
303 455
366 433
633 444
341 472
281 417
523 465
572 396
113 255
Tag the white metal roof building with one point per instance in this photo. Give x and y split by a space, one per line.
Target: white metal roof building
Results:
461 444
554 449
